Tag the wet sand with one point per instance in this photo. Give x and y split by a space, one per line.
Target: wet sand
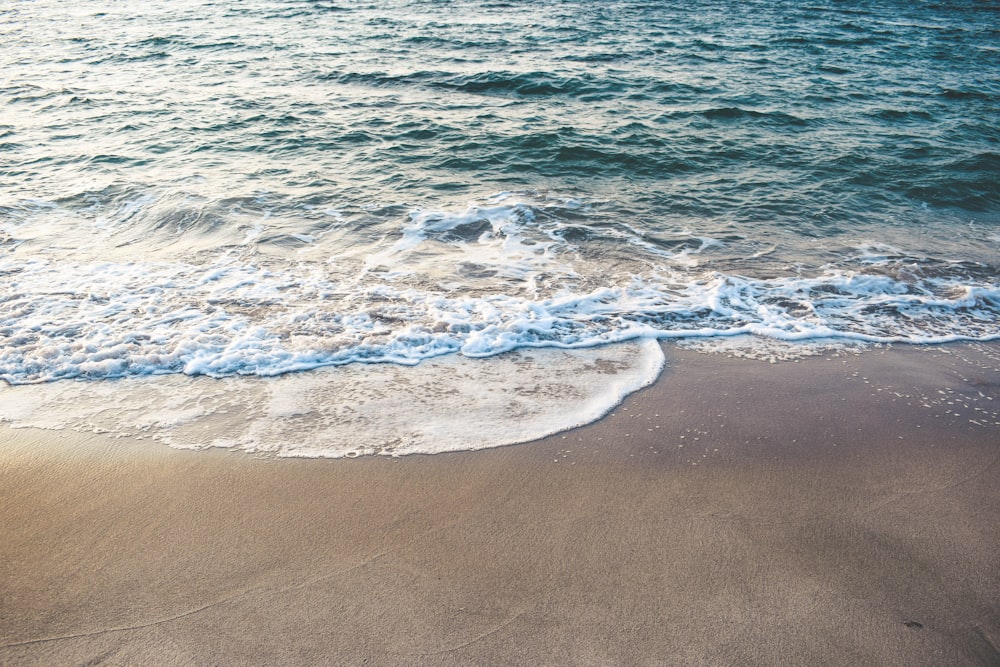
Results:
838 510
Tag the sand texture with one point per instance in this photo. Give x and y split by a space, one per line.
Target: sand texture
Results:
835 511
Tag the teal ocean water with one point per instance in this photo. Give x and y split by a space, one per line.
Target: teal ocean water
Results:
250 190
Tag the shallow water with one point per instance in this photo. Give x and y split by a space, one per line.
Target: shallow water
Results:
251 190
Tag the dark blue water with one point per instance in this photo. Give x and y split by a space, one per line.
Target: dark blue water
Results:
261 187
892 103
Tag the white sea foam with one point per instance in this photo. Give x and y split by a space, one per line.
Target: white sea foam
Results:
509 273
444 404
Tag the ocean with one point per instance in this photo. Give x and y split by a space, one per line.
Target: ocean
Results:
305 228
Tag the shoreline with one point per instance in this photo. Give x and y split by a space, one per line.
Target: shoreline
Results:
834 510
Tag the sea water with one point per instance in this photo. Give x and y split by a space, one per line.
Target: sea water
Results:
330 228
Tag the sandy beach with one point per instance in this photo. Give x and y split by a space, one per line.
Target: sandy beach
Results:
839 510
282 283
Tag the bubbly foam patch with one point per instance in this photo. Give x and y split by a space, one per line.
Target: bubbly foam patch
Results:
761 348
443 404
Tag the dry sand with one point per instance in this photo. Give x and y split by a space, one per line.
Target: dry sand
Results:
842 511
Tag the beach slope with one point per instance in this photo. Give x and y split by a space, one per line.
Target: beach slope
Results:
839 510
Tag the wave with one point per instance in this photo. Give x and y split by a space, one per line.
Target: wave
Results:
509 273
502 83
